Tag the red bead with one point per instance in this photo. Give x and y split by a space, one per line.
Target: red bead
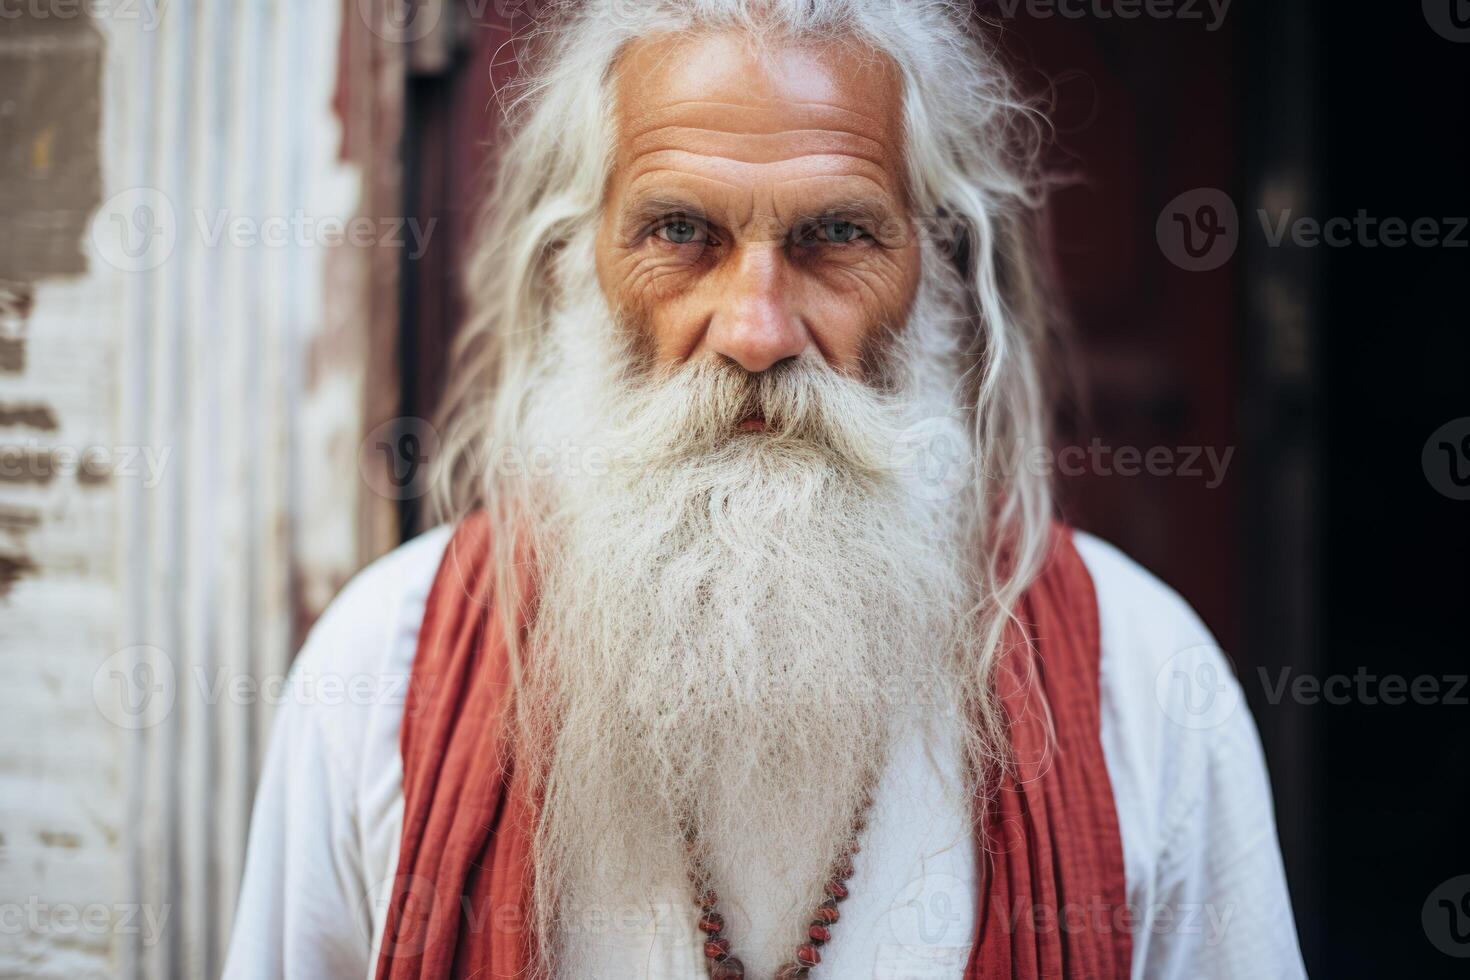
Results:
707 898
711 922
717 949
819 933
729 968
827 912
807 955
837 890
792 971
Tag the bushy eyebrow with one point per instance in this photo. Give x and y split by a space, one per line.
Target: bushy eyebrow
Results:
869 214
642 212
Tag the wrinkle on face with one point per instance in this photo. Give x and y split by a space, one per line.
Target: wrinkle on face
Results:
761 150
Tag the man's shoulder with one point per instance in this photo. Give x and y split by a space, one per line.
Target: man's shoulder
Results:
366 625
350 680
1162 672
1135 604
1158 655
1188 776
1175 726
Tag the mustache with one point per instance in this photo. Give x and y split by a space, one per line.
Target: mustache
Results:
696 411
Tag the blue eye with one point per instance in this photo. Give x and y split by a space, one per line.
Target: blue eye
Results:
840 232
678 232
831 231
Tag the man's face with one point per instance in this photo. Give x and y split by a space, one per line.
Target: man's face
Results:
756 206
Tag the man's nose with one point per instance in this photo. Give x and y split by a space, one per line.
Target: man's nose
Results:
755 323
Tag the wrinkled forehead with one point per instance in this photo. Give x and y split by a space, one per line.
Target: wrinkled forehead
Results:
736 117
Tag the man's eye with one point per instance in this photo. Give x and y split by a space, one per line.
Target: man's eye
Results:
831 231
840 232
679 232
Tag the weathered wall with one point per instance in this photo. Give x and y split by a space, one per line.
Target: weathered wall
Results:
61 763
192 344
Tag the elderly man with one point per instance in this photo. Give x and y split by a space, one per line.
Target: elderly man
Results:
752 649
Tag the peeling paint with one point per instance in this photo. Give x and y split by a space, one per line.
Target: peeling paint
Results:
12 569
93 474
16 302
41 154
18 520
60 838
50 72
32 415
12 355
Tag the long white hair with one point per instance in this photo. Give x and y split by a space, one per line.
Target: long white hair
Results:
971 145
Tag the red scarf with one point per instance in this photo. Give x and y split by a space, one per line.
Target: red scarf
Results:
1053 894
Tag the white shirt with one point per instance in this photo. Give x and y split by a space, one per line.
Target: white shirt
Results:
1204 877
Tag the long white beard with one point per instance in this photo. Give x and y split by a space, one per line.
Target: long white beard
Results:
727 622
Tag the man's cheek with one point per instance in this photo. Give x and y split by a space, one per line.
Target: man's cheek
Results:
855 309
644 280
667 327
674 331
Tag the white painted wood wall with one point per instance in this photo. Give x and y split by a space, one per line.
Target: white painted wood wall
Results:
228 387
